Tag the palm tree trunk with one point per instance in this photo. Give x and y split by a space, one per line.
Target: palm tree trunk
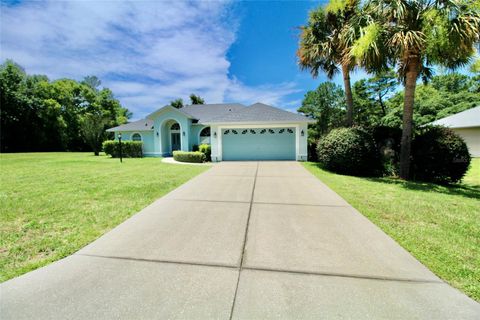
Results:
348 94
413 68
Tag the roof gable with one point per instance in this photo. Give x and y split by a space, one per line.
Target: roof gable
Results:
168 108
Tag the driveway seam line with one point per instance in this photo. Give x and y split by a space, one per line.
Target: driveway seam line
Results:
216 201
199 264
344 275
244 242
214 265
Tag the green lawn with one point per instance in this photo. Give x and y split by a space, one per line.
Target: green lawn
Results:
52 204
439 225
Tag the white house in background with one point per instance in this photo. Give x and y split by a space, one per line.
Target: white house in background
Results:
467 125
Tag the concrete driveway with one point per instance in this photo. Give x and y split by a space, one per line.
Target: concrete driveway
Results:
244 240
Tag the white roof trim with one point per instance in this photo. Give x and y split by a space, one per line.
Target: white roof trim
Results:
267 123
151 115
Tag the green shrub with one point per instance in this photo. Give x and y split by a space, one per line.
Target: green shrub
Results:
387 141
439 155
206 149
312 150
130 149
349 151
184 156
195 147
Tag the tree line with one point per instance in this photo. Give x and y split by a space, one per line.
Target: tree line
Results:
377 102
37 114
194 99
377 35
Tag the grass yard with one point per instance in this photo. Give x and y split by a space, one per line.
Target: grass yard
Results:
439 225
53 204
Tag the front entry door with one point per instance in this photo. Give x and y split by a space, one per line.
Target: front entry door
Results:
175 141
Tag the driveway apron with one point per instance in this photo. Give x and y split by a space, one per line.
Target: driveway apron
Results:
244 240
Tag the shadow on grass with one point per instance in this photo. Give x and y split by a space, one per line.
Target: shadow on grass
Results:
469 191
464 190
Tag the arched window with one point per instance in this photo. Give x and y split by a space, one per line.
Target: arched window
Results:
136 137
175 126
205 136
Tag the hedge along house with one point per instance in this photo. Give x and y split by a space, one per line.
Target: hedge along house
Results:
234 131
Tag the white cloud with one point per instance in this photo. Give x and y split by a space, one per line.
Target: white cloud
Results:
147 52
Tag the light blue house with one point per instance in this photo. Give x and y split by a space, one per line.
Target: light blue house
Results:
234 131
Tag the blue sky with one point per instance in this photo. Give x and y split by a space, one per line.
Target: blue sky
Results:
150 52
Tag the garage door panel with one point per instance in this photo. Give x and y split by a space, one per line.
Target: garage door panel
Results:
258 144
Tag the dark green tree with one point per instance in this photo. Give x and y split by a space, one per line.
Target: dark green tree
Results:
370 97
92 81
324 44
414 35
177 103
93 127
37 114
194 99
444 95
326 104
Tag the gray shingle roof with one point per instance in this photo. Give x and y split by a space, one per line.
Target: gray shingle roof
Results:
465 119
223 113
260 112
206 112
140 125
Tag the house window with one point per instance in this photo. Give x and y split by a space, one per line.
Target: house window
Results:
175 126
136 137
205 136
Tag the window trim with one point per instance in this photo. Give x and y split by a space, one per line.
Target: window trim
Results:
134 133
200 136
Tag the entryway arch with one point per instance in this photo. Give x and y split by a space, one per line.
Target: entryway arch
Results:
171 136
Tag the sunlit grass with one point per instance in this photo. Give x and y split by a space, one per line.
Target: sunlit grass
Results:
439 225
52 204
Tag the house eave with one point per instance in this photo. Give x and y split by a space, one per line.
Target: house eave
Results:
127 130
152 115
258 122
465 127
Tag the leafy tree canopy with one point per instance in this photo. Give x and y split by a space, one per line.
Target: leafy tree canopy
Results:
194 99
378 102
443 96
327 105
42 115
177 103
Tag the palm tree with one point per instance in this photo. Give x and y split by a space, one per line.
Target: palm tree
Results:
323 46
414 35
194 99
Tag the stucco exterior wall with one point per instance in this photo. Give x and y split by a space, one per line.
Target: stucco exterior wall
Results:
300 143
160 140
303 143
195 132
147 139
472 138
214 143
